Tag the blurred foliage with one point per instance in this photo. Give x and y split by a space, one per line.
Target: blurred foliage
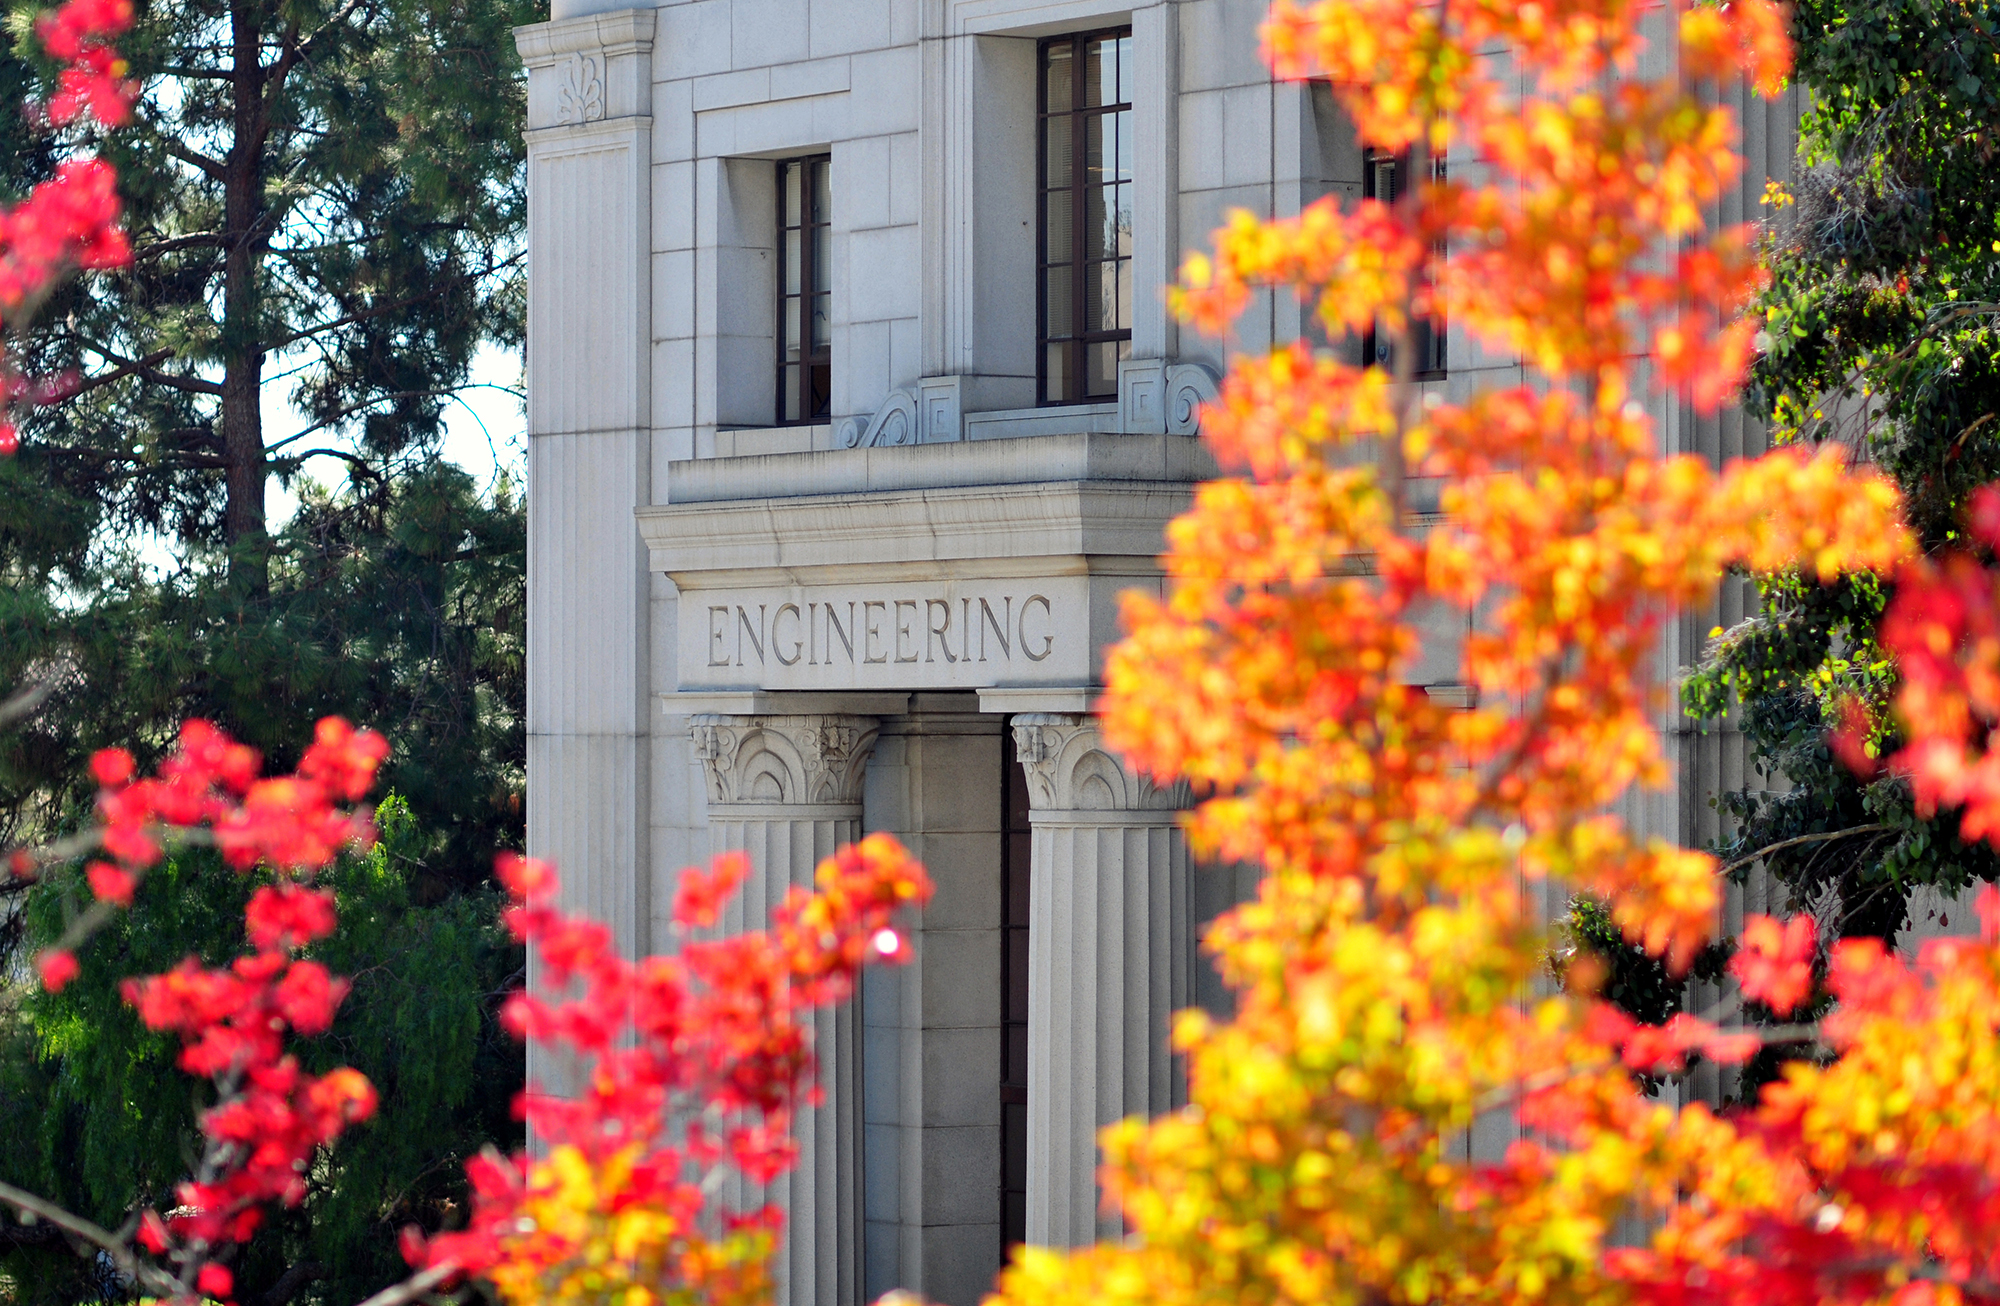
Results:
98 1118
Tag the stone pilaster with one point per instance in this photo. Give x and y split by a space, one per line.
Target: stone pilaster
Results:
589 654
787 791
1108 961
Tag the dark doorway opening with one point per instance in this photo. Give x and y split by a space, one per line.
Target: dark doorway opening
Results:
1015 847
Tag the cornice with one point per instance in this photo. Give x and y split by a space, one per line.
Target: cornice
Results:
707 544
622 31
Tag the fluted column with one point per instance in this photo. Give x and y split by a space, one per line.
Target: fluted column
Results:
787 791
1108 961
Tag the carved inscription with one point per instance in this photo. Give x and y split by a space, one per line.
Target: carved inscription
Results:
886 631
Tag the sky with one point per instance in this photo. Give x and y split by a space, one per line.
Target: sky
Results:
485 431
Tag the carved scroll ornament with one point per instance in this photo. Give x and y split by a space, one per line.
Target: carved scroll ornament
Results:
1070 769
784 760
894 423
580 91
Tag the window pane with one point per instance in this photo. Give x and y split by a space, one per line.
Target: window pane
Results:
1124 70
1102 284
1093 149
1057 147
1383 175
822 321
822 178
788 339
1055 386
791 395
1061 205
1100 72
1057 71
819 396
1060 310
822 249
1096 222
1108 210
792 267
1102 359
1122 127
789 190
1124 292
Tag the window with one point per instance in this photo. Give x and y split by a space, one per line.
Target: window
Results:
1015 851
1085 246
805 290
1386 177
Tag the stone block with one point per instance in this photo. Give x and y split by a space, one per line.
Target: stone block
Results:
961 980
961 1076
961 1261
905 185
905 347
1214 51
673 206
673 295
966 870
961 1176
732 89
862 184
882 1071
860 385
810 77
894 81
960 777
880 263
673 385
693 40
746 378
847 26
882 1163
1225 138
669 444
766 32
883 1264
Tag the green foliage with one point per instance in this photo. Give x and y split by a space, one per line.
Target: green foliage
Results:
1879 331
322 195
99 1119
1634 980
325 197
403 611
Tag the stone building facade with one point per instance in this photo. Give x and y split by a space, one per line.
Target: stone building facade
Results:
854 403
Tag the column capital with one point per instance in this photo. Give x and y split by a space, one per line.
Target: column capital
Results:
784 761
1071 769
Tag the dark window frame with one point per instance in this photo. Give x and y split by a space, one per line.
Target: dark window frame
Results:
1428 334
814 379
1075 340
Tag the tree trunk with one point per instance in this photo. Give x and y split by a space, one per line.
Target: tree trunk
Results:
243 360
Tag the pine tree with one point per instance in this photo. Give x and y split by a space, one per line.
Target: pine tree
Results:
324 196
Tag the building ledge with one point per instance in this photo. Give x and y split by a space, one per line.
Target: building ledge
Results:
1075 456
